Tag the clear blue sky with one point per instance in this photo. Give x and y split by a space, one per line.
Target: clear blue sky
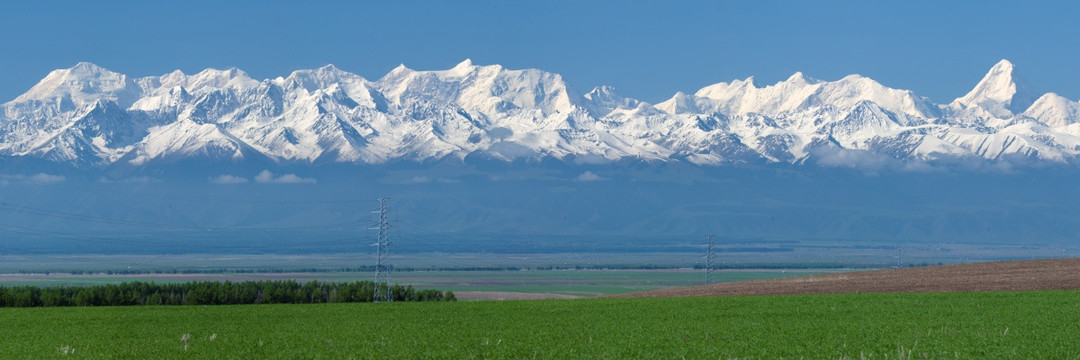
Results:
939 49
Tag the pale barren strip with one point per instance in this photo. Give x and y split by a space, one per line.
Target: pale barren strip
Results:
502 295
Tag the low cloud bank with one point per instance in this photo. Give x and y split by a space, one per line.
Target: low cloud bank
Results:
267 177
228 179
36 179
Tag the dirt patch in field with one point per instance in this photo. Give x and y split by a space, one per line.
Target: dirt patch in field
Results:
500 295
1028 275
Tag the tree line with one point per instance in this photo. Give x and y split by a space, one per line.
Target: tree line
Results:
210 293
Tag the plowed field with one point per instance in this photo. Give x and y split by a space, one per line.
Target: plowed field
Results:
1053 274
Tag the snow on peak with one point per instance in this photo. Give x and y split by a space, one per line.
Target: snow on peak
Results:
173 79
213 79
749 82
1002 92
324 77
1054 110
330 114
604 99
397 75
681 103
720 91
798 78
798 92
401 68
83 83
855 88
461 69
88 68
1003 65
601 91
489 89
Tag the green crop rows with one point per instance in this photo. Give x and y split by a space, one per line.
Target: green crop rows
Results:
962 325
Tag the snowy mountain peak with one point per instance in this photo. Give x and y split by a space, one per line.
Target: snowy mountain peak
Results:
464 64
726 90
604 100
87 115
747 83
206 81
173 78
799 92
326 72
82 84
401 68
1054 110
323 77
798 78
461 69
681 103
601 91
604 95
396 75
1002 92
85 67
229 73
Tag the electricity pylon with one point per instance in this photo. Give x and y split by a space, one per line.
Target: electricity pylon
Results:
710 259
383 291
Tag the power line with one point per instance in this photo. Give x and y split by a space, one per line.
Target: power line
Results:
710 257
899 258
382 252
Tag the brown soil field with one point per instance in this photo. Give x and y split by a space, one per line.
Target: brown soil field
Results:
1027 275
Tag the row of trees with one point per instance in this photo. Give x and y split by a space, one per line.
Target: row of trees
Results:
209 293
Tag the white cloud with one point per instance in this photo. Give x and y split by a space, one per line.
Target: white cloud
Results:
419 180
228 179
590 159
267 177
36 179
39 178
590 176
871 164
43 178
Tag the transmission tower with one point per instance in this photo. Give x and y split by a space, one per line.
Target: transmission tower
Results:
382 252
899 258
710 260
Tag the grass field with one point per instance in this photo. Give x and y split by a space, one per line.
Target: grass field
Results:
878 326
575 282
561 282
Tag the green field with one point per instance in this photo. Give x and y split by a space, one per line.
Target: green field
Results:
575 282
1039 325
563 282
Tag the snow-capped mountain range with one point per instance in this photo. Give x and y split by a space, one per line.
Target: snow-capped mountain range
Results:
88 116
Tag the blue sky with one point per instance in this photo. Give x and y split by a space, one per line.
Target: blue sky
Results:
646 50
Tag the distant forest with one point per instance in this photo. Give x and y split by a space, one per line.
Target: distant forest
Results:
209 293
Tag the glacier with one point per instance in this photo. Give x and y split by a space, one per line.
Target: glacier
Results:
88 117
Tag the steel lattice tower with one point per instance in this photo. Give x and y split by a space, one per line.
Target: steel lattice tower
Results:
710 259
383 291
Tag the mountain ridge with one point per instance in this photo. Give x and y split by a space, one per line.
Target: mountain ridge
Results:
88 116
